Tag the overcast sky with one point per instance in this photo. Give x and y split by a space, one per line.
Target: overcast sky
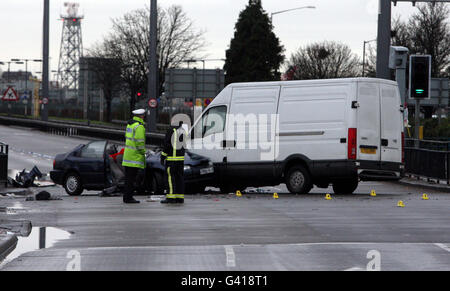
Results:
349 21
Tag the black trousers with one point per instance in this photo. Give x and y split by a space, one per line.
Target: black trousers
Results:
175 180
131 175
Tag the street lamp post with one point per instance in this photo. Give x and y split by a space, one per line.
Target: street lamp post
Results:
287 10
364 55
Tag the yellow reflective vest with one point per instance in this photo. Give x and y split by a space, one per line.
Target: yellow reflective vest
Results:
134 155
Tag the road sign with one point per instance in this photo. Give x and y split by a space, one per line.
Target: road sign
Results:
10 95
208 101
25 95
45 101
153 103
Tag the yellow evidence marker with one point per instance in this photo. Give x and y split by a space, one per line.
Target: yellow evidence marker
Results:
425 197
275 196
373 193
238 193
400 204
328 197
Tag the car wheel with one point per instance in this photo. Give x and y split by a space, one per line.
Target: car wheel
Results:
73 184
345 187
298 180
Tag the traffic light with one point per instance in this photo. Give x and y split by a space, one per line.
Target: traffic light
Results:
420 76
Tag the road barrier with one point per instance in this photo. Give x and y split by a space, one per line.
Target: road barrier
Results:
431 160
3 165
68 129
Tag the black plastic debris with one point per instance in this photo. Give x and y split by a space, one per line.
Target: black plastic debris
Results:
25 179
42 196
111 192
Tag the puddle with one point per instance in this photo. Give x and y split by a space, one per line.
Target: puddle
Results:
39 238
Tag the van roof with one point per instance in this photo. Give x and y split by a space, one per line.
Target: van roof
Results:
316 81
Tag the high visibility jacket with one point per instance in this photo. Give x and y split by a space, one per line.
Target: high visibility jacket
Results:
134 155
174 145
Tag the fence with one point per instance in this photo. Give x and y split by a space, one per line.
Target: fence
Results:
3 165
430 160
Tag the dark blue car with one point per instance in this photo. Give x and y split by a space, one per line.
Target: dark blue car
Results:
97 166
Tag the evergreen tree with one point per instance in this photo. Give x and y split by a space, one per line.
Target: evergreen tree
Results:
255 53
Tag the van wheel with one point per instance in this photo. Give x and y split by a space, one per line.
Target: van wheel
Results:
345 187
73 184
298 180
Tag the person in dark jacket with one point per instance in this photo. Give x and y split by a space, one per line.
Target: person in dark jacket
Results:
173 159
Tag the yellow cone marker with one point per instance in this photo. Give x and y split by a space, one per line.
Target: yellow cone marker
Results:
425 197
275 196
238 193
400 204
373 193
328 197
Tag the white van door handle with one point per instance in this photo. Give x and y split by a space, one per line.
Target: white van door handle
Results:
228 143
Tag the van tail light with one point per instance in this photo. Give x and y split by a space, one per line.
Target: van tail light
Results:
54 162
352 143
403 147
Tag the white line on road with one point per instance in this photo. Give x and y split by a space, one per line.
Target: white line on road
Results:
354 269
442 246
231 258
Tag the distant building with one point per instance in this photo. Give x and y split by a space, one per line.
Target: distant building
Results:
19 80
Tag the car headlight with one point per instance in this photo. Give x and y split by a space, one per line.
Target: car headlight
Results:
187 168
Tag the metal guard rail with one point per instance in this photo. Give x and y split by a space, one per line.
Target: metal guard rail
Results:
427 163
154 139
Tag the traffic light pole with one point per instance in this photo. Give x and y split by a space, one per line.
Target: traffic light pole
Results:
417 123
384 39
153 71
45 58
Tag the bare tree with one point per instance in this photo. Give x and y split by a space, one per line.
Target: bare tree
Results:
426 32
107 74
430 34
129 40
323 60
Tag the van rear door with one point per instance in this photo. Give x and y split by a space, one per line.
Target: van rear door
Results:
391 124
368 122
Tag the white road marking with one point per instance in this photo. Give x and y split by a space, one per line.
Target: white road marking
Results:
353 269
231 258
442 246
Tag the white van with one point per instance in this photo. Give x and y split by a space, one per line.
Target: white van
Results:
314 132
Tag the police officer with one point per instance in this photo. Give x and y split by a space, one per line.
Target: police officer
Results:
173 159
134 155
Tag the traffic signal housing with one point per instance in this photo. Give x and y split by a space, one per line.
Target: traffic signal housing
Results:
420 76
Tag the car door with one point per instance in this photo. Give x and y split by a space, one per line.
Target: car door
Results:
91 163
